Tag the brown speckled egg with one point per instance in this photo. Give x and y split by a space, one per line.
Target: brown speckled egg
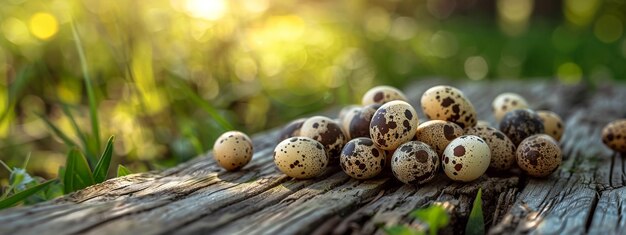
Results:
506 102
233 150
300 157
292 129
393 124
449 104
382 94
360 123
552 124
327 132
361 159
539 155
614 135
502 148
345 119
519 124
415 162
438 134
466 158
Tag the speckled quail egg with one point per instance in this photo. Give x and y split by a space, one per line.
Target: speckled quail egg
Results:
502 148
614 135
345 119
393 124
300 157
466 158
506 102
327 132
414 162
232 150
539 155
552 124
361 159
438 134
519 124
449 104
360 123
382 94
292 129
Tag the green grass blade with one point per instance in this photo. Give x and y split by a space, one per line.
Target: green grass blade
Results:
95 125
203 104
77 173
15 198
68 142
435 216
102 168
77 130
476 221
122 171
6 166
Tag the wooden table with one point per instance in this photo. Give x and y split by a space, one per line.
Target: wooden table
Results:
586 195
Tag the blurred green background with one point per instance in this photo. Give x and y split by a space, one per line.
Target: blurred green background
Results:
169 76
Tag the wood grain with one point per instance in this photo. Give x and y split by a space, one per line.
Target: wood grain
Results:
585 195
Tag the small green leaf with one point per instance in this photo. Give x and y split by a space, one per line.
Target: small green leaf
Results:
102 168
77 130
476 221
19 178
122 171
15 198
68 142
402 230
435 216
77 172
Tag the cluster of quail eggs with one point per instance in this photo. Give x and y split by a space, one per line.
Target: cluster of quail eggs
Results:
384 132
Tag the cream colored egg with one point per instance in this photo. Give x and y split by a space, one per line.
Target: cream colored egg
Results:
327 132
438 134
539 155
382 94
466 158
614 135
449 104
552 124
502 148
393 124
233 150
300 157
506 102
415 162
361 159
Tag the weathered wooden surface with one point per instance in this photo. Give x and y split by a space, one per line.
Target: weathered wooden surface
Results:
586 195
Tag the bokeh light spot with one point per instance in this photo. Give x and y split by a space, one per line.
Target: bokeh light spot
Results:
580 12
206 9
16 31
476 68
608 28
569 73
514 15
43 25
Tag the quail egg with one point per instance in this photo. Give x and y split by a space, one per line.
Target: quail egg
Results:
393 124
438 134
292 129
232 150
614 135
300 157
502 148
327 132
552 123
361 159
360 123
466 158
345 119
539 155
506 102
520 124
382 94
449 104
414 162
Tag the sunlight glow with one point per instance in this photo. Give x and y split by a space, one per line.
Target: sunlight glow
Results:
206 9
43 25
